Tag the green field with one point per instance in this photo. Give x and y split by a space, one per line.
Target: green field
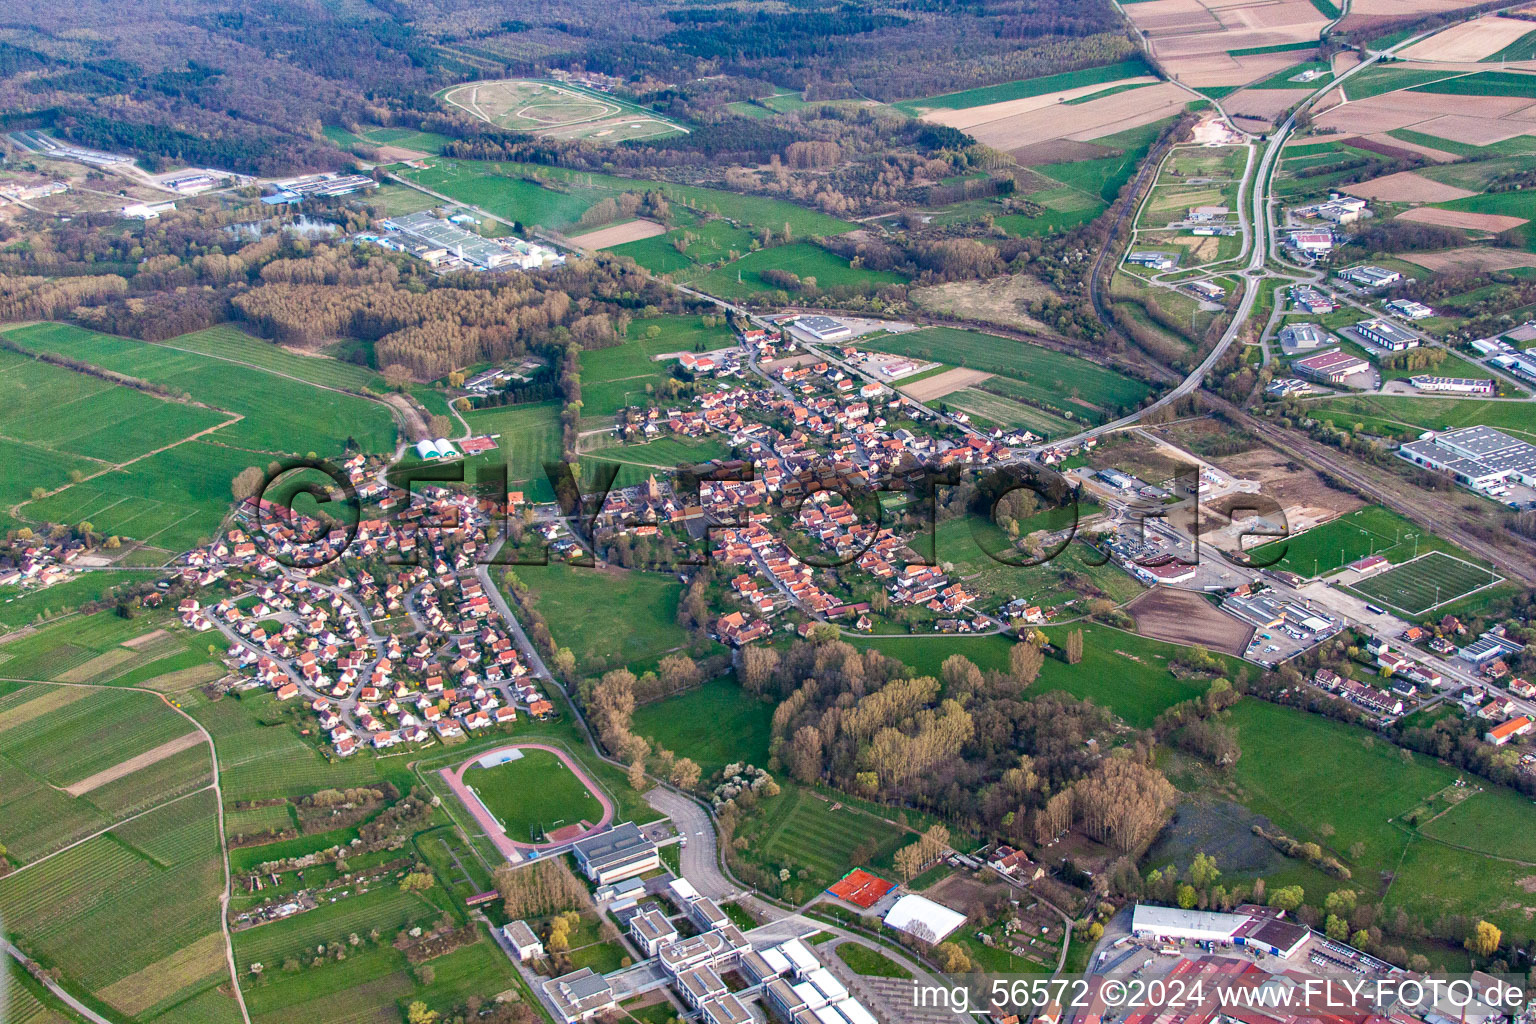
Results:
228 342
803 259
1104 177
969 543
528 436
533 795
1036 374
1407 416
705 242
1377 80
612 378
1121 671
1065 209
1523 48
1028 87
278 414
714 724
1426 582
608 617
1515 204
799 829
175 497
504 189
1370 530
19 607
1484 83
988 410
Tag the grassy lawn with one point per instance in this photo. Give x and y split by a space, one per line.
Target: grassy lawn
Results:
1406 416
608 617
561 195
1106 176
744 276
969 543
714 724
533 795
1370 530
870 963
280 414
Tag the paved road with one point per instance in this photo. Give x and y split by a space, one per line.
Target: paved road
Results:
63 996
700 859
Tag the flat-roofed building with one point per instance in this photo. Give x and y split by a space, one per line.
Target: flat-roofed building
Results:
580 995
525 944
651 930
1371 277
621 852
1303 337
1330 367
781 995
724 1009
1454 385
698 985
1386 334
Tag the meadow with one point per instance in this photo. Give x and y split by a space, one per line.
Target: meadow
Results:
714 723
19 607
987 409
533 795
471 182
608 617
278 414
1037 375
1121 671
705 242
1407 416
229 343
1105 176
1370 530
969 542
1485 83
742 277
1028 87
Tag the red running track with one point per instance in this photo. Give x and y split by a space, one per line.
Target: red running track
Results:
512 849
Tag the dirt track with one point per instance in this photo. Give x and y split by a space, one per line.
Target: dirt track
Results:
133 764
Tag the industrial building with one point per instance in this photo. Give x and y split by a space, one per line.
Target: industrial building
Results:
1309 299
1259 927
1454 385
1478 457
321 186
444 243
1386 334
1303 337
1409 309
823 328
1371 277
1330 367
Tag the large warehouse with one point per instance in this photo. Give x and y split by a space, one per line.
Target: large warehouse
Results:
1259 927
1478 457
